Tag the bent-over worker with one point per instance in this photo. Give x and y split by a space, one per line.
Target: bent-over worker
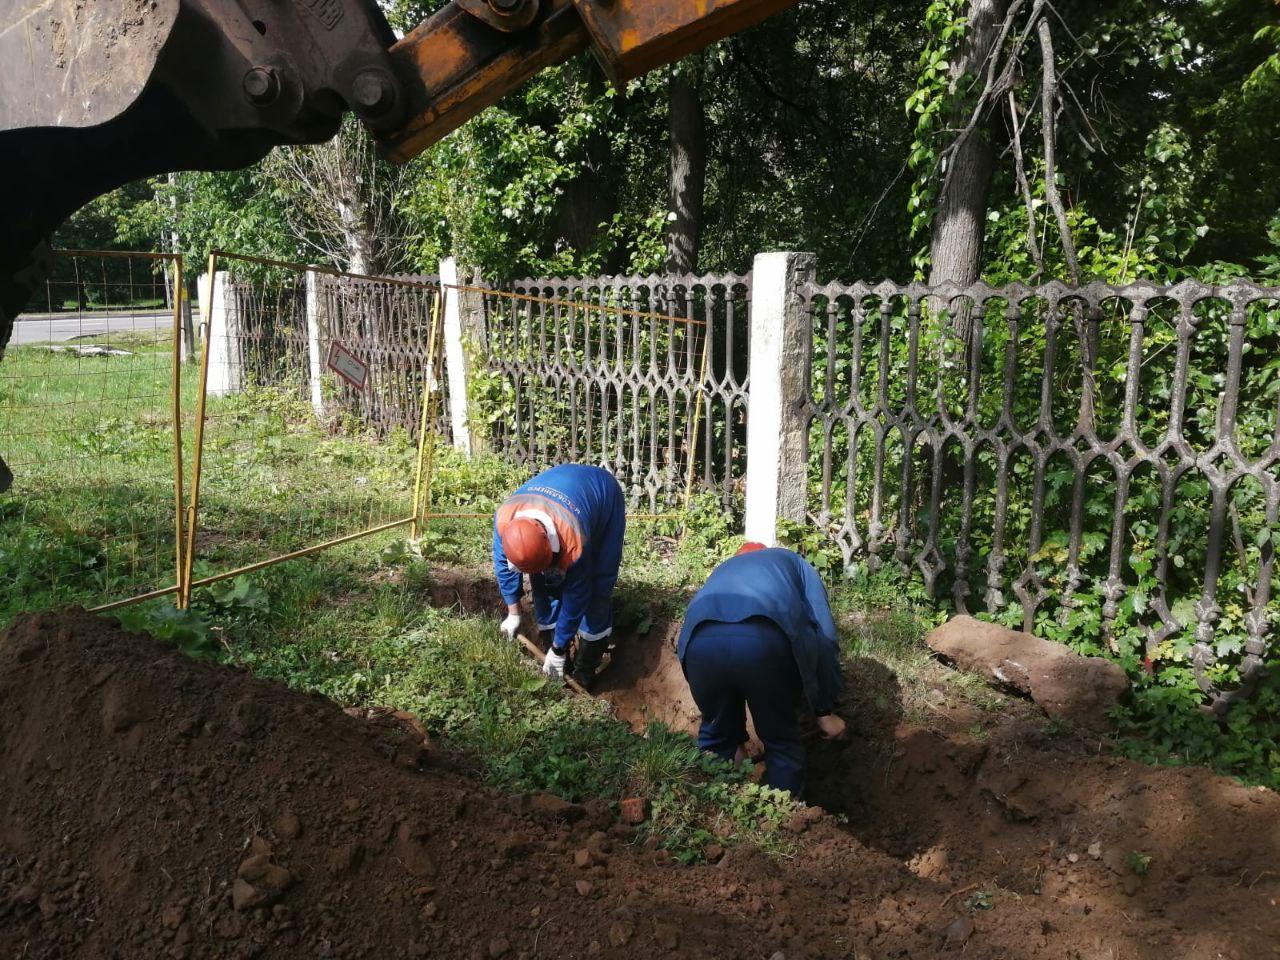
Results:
564 528
759 634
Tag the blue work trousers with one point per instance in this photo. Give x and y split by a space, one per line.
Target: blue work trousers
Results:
732 666
596 622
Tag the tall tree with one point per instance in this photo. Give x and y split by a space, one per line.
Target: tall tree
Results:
687 123
590 199
955 249
342 200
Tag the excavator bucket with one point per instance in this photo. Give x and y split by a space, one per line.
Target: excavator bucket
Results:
95 93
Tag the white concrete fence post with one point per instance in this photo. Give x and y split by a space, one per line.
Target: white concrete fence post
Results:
226 374
315 344
464 335
777 475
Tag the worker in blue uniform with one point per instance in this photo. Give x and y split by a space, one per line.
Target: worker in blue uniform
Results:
759 634
564 528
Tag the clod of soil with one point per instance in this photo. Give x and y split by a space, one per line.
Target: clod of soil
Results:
144 797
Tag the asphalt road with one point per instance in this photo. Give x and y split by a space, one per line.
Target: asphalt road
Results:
61 327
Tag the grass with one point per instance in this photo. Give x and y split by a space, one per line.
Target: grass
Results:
91 445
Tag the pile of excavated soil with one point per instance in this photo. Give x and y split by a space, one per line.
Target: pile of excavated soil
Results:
1100 856
154 806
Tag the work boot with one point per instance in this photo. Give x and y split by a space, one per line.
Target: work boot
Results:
545 638
587 661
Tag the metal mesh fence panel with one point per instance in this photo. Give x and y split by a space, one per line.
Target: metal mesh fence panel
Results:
630 373
310 429
1102 457
89 388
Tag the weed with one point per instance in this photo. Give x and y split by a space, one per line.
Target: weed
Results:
980 900
1139 863
188 630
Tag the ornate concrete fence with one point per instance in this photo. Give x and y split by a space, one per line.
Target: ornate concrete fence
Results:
646 376
1107 455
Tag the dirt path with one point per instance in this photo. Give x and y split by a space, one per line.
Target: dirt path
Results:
152 806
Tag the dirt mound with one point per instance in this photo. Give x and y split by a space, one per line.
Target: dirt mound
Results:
155 806
152 806
1022 810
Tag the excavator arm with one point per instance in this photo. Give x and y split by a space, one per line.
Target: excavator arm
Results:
472 52
97 93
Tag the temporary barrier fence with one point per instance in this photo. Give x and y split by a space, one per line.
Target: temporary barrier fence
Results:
91 395
302 368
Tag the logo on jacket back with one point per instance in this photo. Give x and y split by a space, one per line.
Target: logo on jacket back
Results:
556 495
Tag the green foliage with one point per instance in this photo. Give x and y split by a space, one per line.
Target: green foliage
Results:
238 599
190 631
124 219
935 103
813 544
981 900
1139 863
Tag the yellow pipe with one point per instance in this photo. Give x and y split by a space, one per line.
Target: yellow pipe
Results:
193 510
697 423
179 518
646 517
306 551
576 304
139 599
424 422
435 353
327 271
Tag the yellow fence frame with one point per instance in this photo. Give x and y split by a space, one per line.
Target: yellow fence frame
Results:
187 582
187 500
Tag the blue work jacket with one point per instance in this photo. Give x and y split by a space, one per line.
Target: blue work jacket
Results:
782 586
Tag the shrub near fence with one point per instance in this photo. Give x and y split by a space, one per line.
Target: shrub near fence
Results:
1098 464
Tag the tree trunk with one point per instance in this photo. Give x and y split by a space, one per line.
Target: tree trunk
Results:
361 246
688 173
591 198
959 223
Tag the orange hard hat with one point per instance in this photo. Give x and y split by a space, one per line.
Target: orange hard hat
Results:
527 546
750 547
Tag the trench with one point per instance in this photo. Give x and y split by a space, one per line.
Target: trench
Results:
1011 809
886 782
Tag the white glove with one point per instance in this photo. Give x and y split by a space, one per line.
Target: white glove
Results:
553 665
511 625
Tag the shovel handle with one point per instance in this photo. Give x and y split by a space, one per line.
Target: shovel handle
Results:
538 655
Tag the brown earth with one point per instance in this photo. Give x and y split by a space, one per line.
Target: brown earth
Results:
153 806
1021 809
